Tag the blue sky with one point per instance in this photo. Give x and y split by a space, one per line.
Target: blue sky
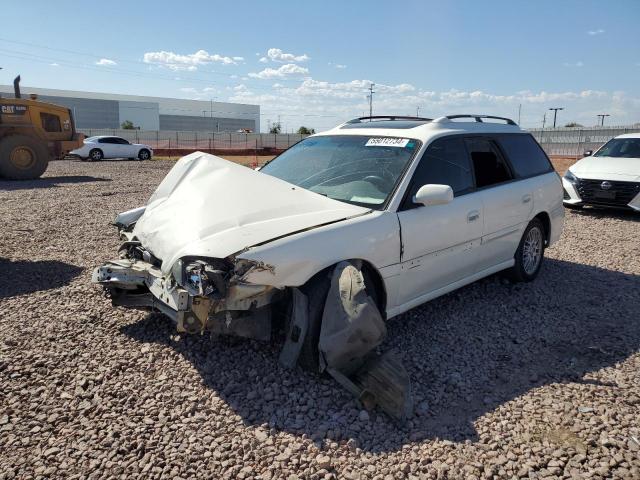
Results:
311 62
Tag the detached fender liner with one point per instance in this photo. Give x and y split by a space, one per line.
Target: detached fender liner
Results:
352 327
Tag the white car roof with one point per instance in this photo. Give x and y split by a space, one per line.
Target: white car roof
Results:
629 135
424 129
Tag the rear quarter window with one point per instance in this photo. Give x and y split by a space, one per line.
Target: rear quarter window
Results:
526 156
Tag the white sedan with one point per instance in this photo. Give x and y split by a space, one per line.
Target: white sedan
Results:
610 177
104 146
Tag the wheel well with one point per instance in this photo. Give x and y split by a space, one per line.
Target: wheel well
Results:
370 273
546 223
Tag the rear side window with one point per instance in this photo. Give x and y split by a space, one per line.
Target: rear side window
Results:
489 165
50 123
446 163
107 140
524 153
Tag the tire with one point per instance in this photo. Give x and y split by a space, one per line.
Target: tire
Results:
144 154
95 155
530 253
22 157
316 291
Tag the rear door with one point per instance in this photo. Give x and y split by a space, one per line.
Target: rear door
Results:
507 201
439 243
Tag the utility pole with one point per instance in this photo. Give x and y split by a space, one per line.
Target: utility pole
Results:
418 111
211 111
601 117
519 110
555 113
370 97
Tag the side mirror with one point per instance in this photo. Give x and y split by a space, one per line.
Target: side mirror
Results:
433 194
588 153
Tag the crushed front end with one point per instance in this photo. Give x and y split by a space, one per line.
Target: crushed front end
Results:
198 294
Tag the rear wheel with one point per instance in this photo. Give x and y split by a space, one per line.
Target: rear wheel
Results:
144 154
96 155
530 253
22 157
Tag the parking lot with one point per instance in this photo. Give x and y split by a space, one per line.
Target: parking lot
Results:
528 380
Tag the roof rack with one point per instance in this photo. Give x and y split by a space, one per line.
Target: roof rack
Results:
389 117
478 118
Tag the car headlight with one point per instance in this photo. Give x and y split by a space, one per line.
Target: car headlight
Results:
570 177
199 277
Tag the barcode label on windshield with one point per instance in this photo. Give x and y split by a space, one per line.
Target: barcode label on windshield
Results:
387 142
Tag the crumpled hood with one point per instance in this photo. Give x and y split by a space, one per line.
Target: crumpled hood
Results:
608 168
207 206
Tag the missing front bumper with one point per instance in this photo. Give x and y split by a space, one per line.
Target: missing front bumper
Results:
243 312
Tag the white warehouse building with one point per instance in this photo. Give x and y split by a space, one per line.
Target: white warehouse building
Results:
109 110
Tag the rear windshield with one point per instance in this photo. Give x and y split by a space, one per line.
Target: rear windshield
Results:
362 170
620 147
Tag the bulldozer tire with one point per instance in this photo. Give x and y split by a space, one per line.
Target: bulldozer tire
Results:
22 157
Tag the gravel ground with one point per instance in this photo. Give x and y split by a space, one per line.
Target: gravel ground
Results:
537 380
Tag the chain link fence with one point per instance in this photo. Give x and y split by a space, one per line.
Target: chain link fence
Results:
178 140
567 142
572 142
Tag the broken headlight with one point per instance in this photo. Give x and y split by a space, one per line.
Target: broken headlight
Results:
199 277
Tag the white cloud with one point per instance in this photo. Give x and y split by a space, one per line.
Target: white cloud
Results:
190 62
105 62
281 72
321 105
54 64
196 94
277 55
576 64
599 31
352 89
340 66
264 60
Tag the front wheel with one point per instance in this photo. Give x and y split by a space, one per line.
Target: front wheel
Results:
530 253
144 154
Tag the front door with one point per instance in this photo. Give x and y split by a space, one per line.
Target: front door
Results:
440 243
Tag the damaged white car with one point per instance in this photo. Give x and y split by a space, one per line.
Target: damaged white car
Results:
341 232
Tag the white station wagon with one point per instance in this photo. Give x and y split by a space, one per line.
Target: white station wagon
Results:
343 230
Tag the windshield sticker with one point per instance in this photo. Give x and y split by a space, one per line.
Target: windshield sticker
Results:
387 142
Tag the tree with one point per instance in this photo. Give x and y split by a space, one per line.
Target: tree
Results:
275 128
306 131
128 125
573 124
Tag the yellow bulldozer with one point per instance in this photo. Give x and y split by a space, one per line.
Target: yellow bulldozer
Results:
31 133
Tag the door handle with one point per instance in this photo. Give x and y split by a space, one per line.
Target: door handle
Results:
526 198
473 216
